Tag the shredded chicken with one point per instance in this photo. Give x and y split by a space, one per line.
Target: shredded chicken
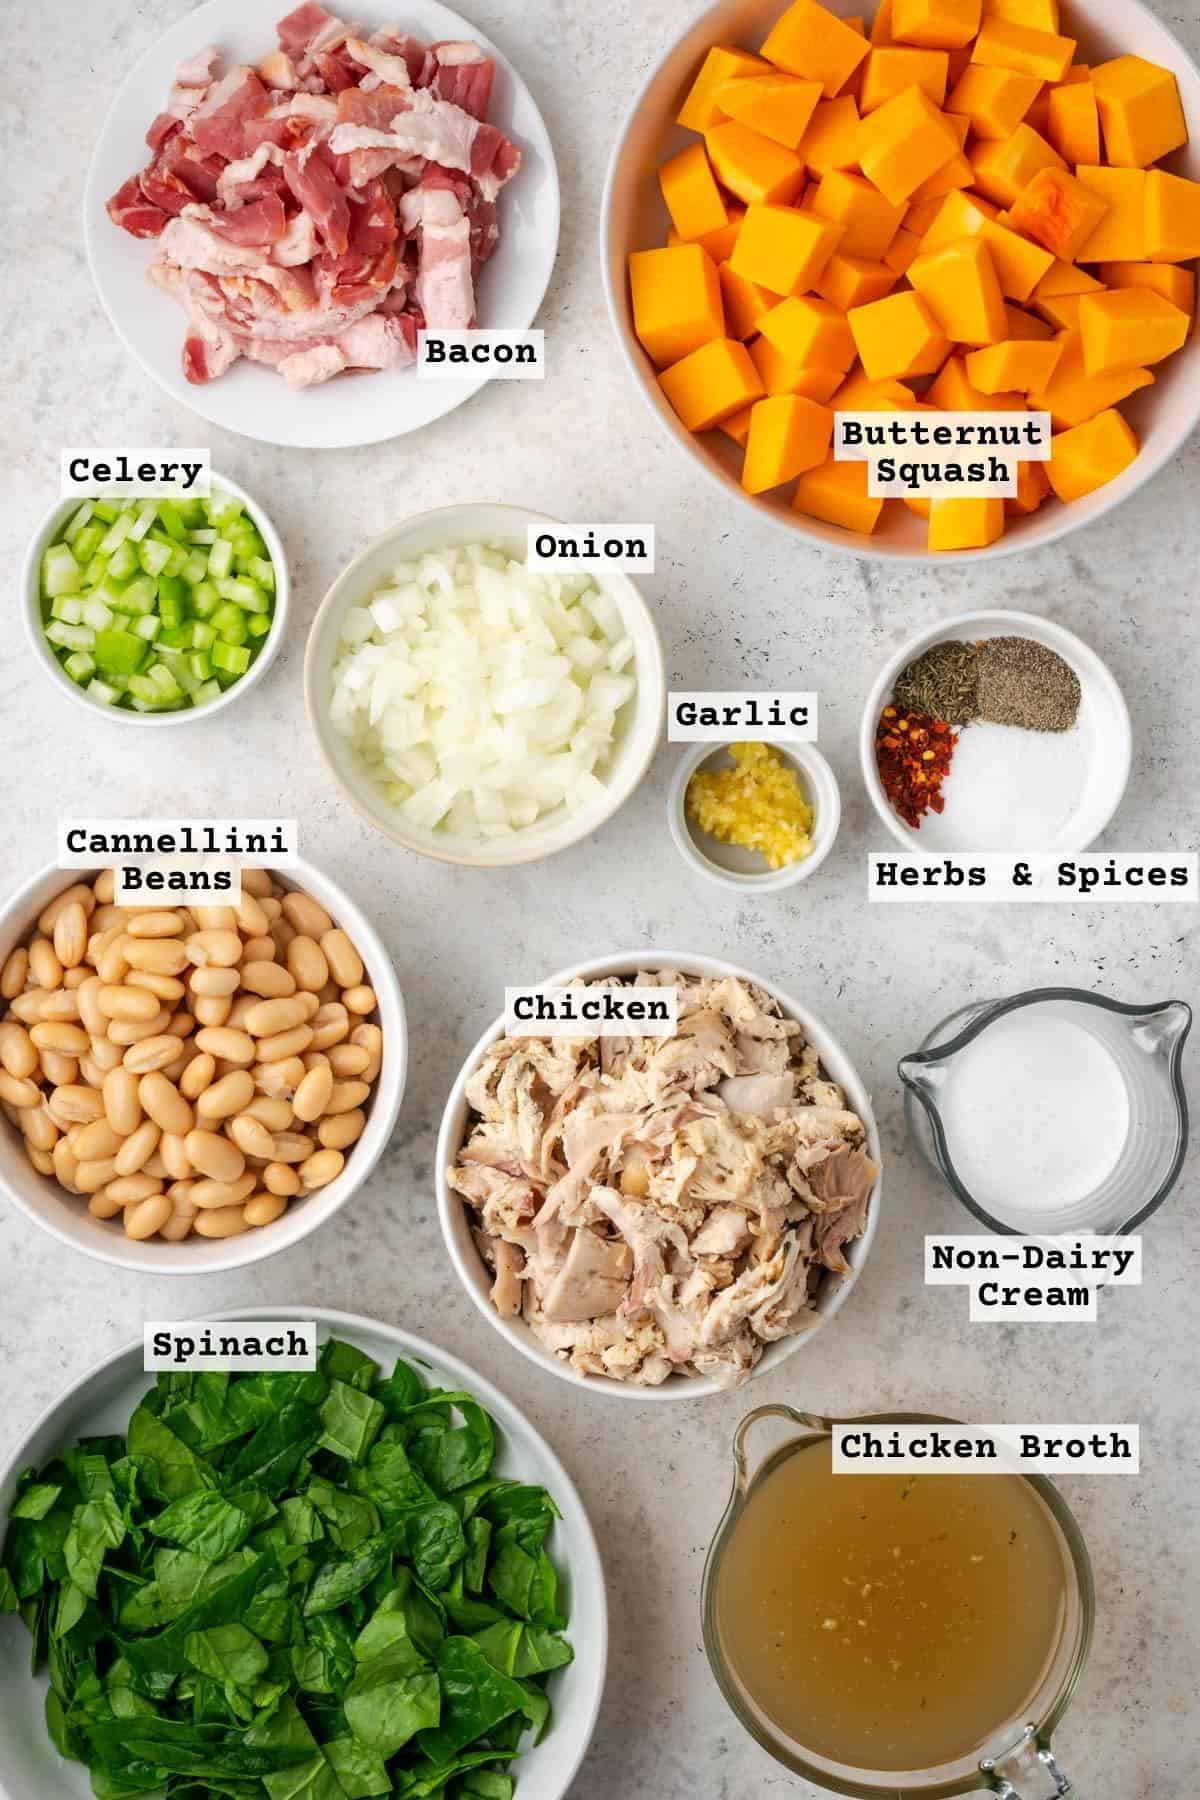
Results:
657 1207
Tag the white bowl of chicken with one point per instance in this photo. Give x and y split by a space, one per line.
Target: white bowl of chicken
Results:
661 1217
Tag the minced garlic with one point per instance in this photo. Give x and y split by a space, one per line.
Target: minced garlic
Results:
758 804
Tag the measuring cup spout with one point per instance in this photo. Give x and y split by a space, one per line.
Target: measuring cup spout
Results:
922 1076
1162 1030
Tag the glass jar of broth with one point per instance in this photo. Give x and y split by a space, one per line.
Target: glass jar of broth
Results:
896 1634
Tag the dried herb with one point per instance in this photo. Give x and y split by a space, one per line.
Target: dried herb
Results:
943 681
912 753
1025 683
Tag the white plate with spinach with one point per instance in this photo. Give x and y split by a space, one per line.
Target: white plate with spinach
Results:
372 1580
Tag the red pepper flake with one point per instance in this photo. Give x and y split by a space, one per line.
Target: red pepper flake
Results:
913 757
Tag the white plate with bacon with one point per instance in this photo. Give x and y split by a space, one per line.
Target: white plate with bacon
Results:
277 205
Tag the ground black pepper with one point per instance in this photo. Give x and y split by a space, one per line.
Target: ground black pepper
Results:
1026 684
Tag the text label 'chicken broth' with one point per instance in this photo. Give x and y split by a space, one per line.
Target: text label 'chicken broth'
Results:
663 1206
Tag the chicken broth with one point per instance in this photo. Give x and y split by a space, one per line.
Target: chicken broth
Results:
890 1622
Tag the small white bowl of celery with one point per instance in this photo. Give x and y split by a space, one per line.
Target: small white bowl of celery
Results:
157 611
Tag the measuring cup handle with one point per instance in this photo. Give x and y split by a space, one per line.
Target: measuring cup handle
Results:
1037 1764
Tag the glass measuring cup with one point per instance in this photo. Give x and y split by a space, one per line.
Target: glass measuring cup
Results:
1143 1044
1015 1759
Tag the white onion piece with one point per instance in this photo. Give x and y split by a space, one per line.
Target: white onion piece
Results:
480 695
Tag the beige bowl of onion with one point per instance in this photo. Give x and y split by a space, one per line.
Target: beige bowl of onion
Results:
475 711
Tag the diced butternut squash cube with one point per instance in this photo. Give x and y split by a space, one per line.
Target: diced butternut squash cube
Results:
854 281
935 24
954 392
922 213
1026 327
676 301
810 333
957 173
812 42
1001 45
1072 396
994 100
1003 167
1121 233
902 143
723 63
711 383
881 24
858 393
746 302
784 249
1086 457
967 524
831 141
1019 264
1039 15
1140 111
897 337
737 425
694 201
719 244
1058 211
869 221
788 434
780 375
904 247
1174 284
960 288
837 493
779 106
1013 367
1064 278
1172 217
892 68
1129 328
1073 122
1032 488
758 171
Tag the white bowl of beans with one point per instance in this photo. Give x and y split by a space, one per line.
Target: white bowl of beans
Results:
192 1089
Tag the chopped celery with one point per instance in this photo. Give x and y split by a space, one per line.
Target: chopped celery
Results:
70 637
204 695
172 600
69 608
106 510
123 563
76 522
258 624
204 635
195 569
175 637
262 571
146 515
171 518
223 507
230 623
96 614
207 536
147 627
60 572
200 665
153 556
79 666
205 599
120 652
138 597
232 658
243 594
220 558
86 544
117 532
100 690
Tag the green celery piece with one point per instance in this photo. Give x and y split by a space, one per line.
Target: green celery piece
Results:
234 659
220 559
223 507
258 624
244 594
175 637
172 600
60 572
80 666
205 600
203 696
260 569
146 515
124 561
138 597
68 608
206 535
100 690
85 546
171 519
204 635
106 510
163 679
230 623
147 627
117 532
70 637
200 665
120 652
195 568
154 556
76 522
96 614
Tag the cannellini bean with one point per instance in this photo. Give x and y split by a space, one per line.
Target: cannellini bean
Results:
12 975
57 1034
276 1115
102 1207
341 1130
175 1157
228 1045
286 1043
134 1031
249 916
345 964
313 1095
224 948
226 1097
346 1096
58 1069
64 1163
137 1149
75 1105
264 1209
104 886
268 1018
360 1001
226 1221
155 925
168 987
127 1003
215 918
60 1003
256 882
310 1002
165 1104
306 961
130 1189
39 1127
330 1024
214 1155
44 965
71 935
105 1054
87 998
152 1053
279 1080
91 1072
155 956
154 1165
42 1160
90 1177
281 1179
28 1006
147 1217
263 949
348 1059
305 916
122 1102
208 1194
181 1024
216 983
212 1010
112 965
176 1228
96 1140
18 1053
198 1075
252 1137
270 979
322 1167
79 895
293 1147
371 1038
73 978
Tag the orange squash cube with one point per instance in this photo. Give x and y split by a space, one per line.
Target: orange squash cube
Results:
1129 328
954 392
1172 217
869 221
724 63
960 288
780 375
892 68
711 383
1058 294
994 100
1019 264
903 142
1073 122
810 333
807 40
1173 283
1004 167
1014 366
858 393
1026 327
1072 396
779 106
1040 15
1032 488
784 249
788 434
1002 45
897 337
737 425
935 24
831 141
967 524
1090 455
854 281
1058 211
718 244
1140 111
836 493
693 198
1120 234
746 302
758 171
904 247
676 301
881 24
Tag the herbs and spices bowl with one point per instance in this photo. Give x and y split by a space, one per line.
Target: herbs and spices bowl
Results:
754 817
996 731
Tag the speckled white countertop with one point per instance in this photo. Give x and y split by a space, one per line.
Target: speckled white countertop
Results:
739 604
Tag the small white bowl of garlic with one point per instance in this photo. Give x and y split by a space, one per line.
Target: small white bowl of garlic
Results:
732 865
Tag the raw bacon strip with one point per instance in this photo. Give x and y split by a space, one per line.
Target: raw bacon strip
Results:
262 222
298 30
441 133
197 71
164 126
130 209
336 71
315 186
464 76
445 291
279 72
219 123
391 67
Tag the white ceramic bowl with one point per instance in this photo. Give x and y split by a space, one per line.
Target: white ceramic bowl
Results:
634 218
103 1400
453 1212
65 1216
1106 751
250 398
728 864
50 527
638 728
